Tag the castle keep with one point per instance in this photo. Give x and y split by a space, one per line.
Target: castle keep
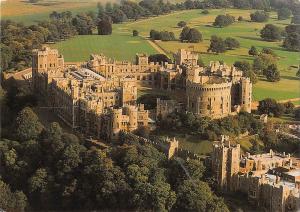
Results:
270 180
99 96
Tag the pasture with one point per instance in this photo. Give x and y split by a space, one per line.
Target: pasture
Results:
117 46
29 13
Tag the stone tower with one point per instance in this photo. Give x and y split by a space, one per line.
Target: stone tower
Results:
129 92
141 59
225 162
246 94
184 56
42 61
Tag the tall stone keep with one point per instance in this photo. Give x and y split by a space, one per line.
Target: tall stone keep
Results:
225 162
44 60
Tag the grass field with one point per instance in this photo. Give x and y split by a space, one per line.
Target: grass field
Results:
29 13
189 142
118 46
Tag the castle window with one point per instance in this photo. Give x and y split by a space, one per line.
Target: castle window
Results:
138 77
41 66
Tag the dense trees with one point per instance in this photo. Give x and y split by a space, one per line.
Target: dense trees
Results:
191 35
181 24
292 39
84 24
263 61
55 171
283 13
253 51
272 73
163 35
231 43
217 44
11 201
27 125
135 33
105 26
246 68
210 129
259 16
271 107
159 58
223 20
270 32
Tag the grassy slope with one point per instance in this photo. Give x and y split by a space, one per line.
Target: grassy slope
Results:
23 11
246 32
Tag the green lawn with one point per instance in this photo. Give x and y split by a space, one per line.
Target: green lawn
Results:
189 142
118 46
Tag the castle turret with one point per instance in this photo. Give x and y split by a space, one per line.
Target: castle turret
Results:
42 61
225 163
246 94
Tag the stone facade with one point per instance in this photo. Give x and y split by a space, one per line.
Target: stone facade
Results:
270 180
86 95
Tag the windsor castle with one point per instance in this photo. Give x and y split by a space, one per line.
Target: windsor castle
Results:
99 97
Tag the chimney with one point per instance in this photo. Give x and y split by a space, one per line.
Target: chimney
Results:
277 179
297 184
271 152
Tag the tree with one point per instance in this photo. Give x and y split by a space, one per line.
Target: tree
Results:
289 107
184 33
27 125
105 26
240 18
244 66
181 24
135 33
297 114
118 16
84 24
261 62
101 11
298 72
194 36
205 12
217 44
283 13
11 201
231 43
194 195
223 20
272 73
271 107
259 16
270 33
253 51
292 39
159 58
268 51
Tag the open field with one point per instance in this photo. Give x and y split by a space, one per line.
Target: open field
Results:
118 46
28 13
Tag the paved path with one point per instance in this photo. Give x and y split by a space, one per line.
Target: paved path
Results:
156 47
